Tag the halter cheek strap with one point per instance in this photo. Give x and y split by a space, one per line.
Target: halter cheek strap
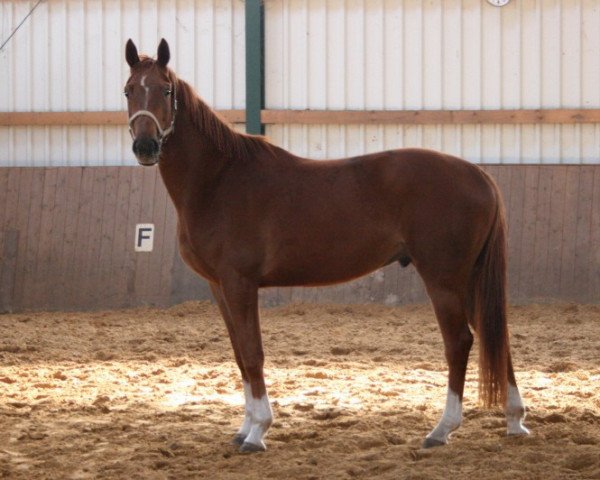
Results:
162 134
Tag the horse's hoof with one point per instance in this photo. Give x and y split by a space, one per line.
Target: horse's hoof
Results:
238 440
521 431
248 447
432 442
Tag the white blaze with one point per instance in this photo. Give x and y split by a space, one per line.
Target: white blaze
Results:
143 84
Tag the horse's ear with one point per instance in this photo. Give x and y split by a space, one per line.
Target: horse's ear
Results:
131 53
164 54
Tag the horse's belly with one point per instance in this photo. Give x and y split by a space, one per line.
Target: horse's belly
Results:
328 266
314 277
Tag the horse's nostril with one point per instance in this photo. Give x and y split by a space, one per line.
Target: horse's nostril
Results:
145 147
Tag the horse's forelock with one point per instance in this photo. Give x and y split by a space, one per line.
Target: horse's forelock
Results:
148 64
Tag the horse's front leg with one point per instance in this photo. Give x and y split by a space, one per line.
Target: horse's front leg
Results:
244 430
238 301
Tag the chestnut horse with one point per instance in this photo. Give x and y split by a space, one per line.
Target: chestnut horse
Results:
253 215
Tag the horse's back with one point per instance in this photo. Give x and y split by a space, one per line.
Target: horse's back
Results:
408 182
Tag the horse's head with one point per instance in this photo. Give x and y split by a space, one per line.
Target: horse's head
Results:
151 102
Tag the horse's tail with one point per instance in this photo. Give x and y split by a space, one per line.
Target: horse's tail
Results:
489 311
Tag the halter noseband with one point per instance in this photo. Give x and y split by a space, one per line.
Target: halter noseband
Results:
162 134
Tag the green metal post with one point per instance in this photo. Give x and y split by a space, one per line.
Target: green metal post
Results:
255 87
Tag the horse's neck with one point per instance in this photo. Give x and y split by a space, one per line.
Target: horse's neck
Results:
190 161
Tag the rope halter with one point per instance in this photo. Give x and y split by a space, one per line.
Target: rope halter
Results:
162 134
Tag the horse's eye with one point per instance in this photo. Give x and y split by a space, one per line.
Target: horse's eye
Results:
126 93
167 92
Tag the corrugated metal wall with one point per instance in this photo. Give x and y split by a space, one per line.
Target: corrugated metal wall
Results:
69 56
433 54
320 54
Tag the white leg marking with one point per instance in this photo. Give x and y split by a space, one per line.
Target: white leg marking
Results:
247 424
262 417
515 412
451 418
258 419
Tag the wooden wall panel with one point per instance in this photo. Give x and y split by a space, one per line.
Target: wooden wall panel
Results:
581 262
65 269
568 281
121 256
75 293
67 237
539 273
27 218
594 271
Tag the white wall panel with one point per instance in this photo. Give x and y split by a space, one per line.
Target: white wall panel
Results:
433 54
69 56
320 54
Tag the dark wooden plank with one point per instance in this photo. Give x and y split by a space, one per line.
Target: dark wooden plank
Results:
23 221
567 259
169 245
541 285
555 235
8 212
594 272
52 264
3 198
75 293
89 283
133 215
51 237
583 247
122 248
94 277
8 269
106 288
73 197
515 228
528 253
35 241
12 198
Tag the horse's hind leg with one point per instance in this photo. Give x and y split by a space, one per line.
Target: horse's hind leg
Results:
515 408
451 315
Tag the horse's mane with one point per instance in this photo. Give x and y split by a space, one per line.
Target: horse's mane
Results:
227 141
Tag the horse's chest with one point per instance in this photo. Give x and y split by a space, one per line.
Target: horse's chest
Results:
193 256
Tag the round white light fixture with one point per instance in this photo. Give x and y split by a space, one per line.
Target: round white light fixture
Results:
498 3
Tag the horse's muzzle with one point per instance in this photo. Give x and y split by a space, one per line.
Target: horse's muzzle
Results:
146 150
